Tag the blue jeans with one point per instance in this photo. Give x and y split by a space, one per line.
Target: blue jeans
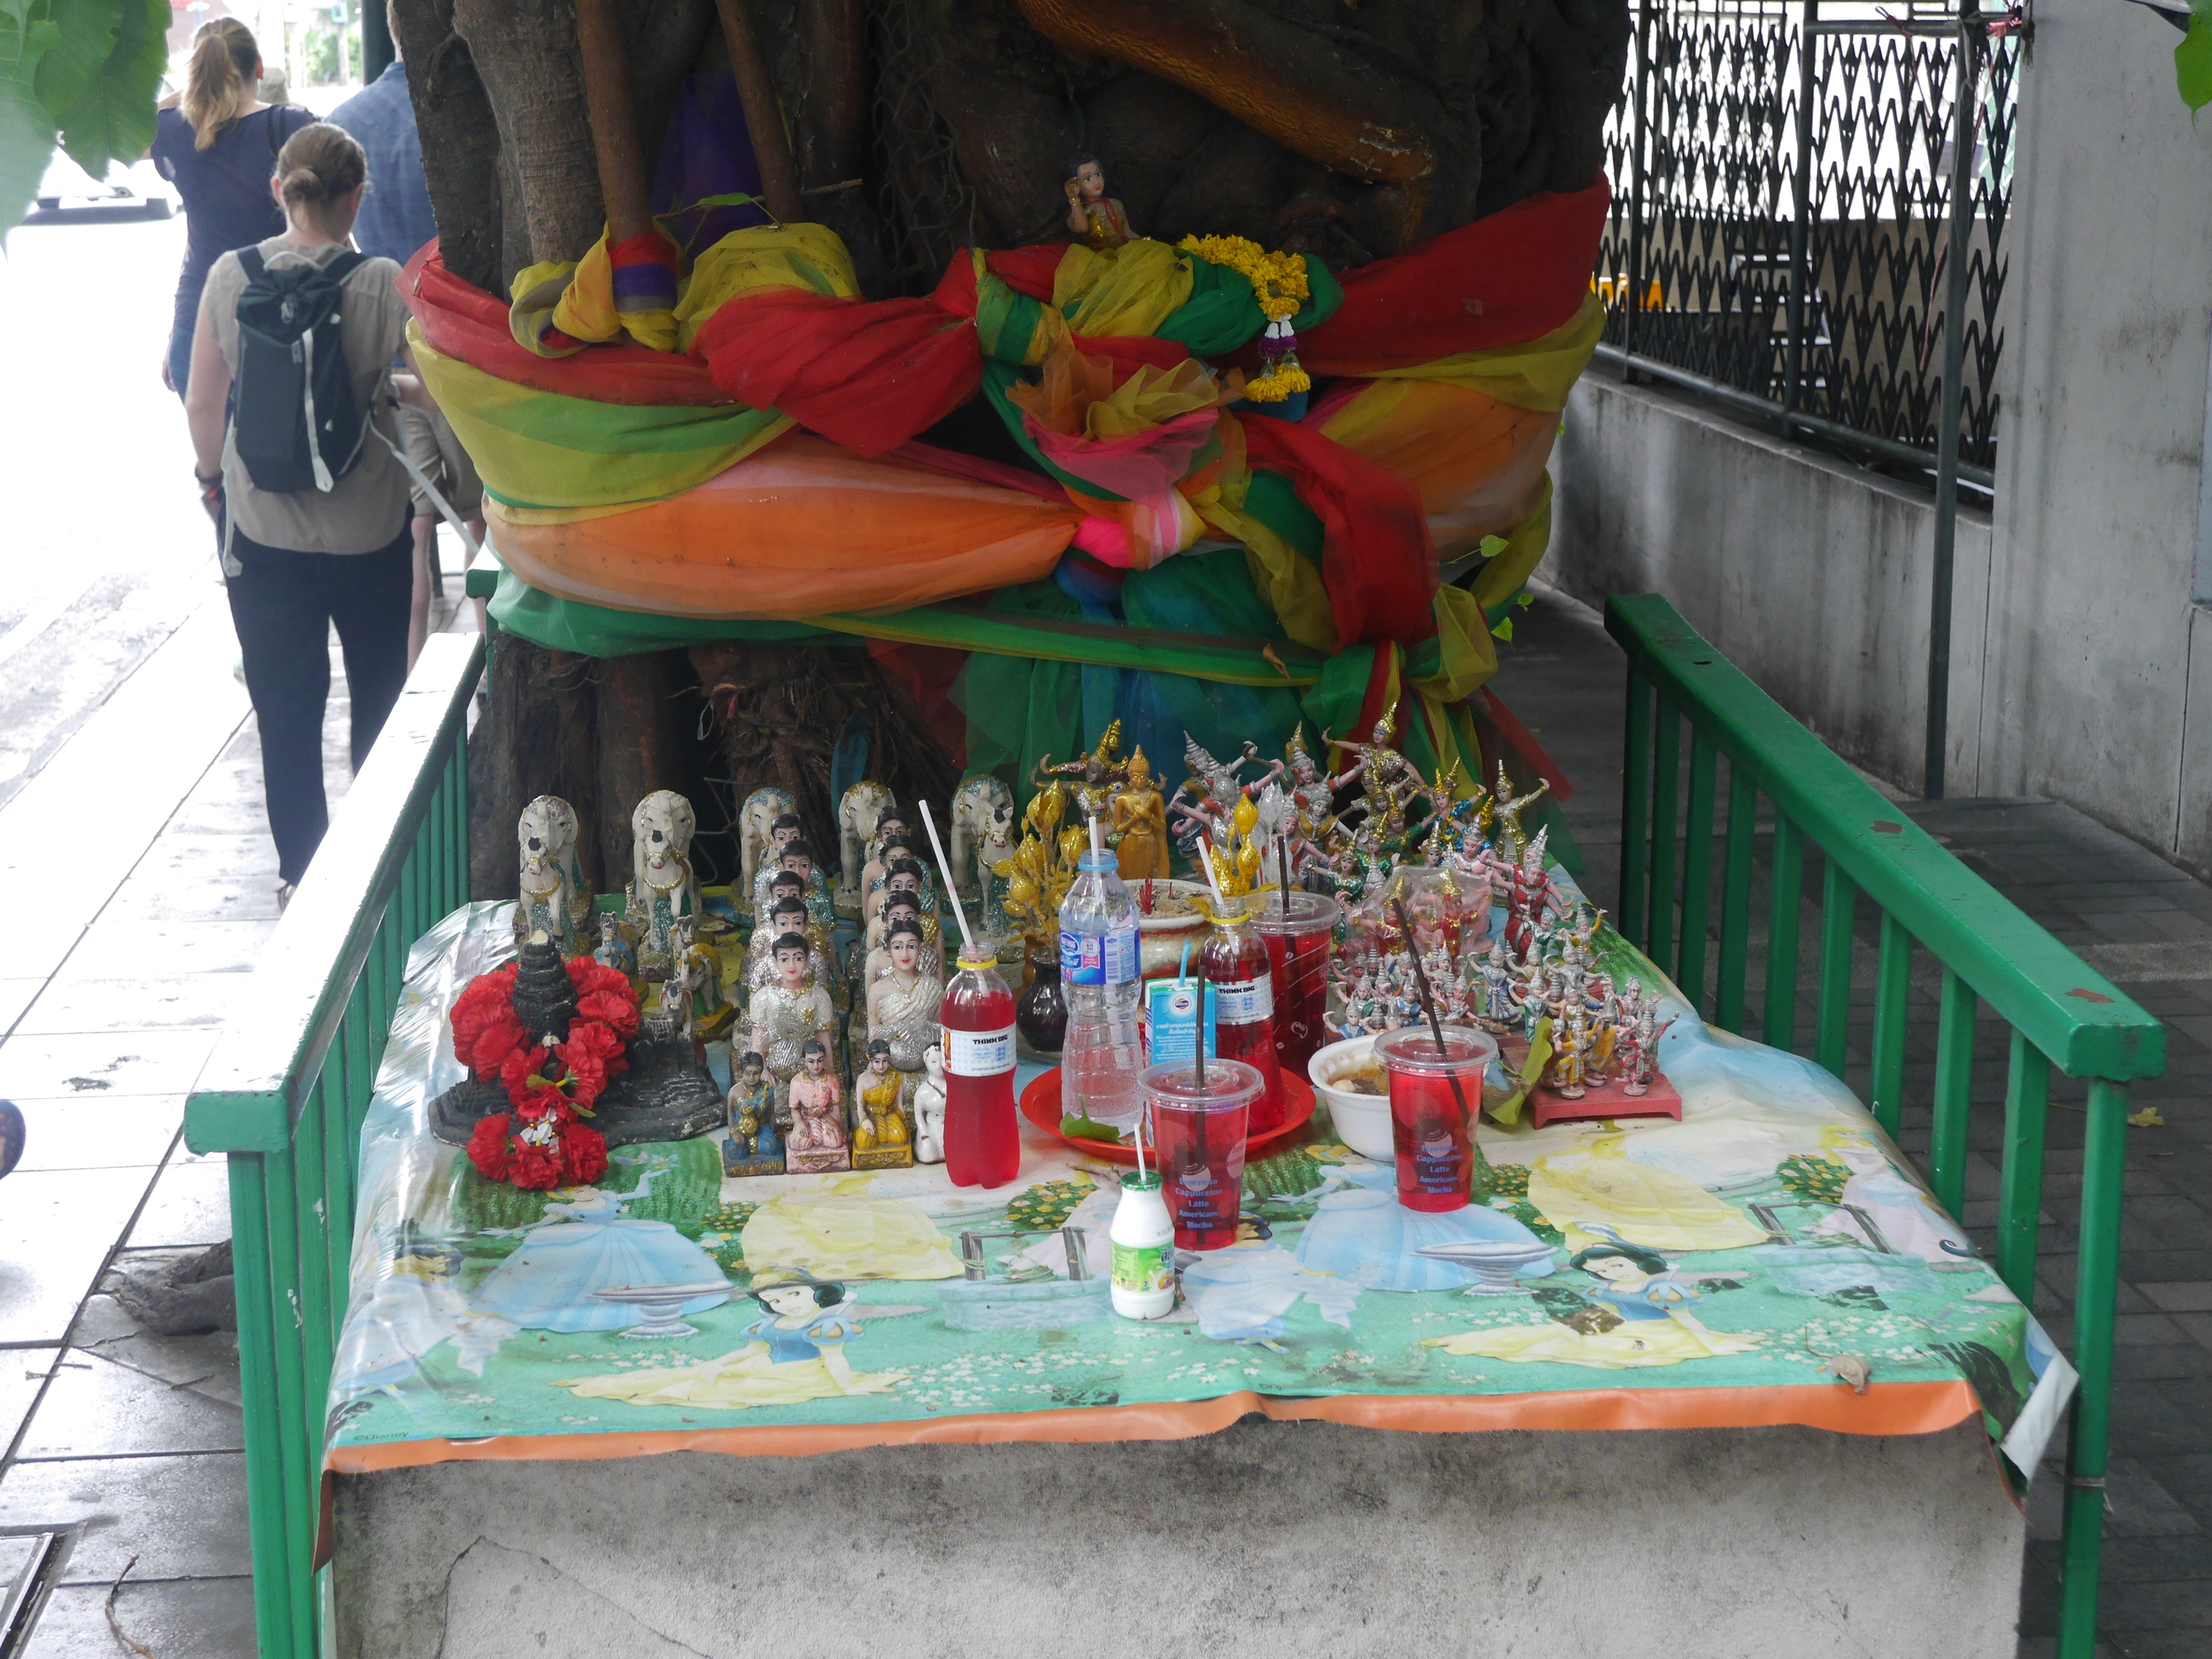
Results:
179 356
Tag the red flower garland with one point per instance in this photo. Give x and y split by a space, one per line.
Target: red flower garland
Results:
539 1144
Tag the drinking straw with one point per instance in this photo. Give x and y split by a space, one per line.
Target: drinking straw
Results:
1428 1003
967 938
1098 844
1282 864
1206 858
1198 1044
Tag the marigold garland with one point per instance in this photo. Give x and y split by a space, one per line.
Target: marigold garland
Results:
1278 280
540 1144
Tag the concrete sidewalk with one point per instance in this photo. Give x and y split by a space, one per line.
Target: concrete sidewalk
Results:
140 912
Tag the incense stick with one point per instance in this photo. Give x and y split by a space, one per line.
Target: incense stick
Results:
944 866
1428 1003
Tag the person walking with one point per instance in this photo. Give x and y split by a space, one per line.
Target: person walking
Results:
218 144
395 221
299 560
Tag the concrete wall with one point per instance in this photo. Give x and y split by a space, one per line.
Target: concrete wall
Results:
2099 687
2081 667
1263 1541
1811 574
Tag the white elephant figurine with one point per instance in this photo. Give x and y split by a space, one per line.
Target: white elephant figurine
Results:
863 807
755 820
982 831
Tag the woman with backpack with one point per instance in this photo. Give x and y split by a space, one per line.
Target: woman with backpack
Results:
317 503
219 146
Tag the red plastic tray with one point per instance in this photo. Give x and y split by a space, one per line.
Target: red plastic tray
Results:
1041 1105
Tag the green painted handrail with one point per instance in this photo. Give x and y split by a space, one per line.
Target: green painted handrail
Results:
2087 1026
274 1043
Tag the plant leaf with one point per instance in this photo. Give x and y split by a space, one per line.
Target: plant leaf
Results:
115 119
84 39
2193 58
27 144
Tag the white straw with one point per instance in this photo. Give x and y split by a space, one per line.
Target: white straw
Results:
1140 1139
1098 843
967 938
1213 880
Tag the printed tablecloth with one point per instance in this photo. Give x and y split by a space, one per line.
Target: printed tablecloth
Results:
1761 1262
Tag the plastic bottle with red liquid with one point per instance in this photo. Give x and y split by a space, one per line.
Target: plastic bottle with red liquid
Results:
1235 964
982 1142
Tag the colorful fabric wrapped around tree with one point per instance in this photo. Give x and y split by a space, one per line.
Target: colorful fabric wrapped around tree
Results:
743 445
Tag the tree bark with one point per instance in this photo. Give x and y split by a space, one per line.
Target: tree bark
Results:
460 141
645 705
526 53
538 736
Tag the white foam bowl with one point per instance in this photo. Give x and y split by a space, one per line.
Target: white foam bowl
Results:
1363 1121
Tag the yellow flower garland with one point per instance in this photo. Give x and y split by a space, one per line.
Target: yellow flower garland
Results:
1278 280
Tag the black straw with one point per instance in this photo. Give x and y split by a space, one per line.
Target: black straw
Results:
1198 1038
1282 863
1428 1003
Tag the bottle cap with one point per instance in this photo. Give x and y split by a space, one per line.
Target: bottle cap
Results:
1099 861
1141 1181
977 964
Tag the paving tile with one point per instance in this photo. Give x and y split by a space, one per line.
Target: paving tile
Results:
70 1006
105 1062
23 1372
97 1408
116 942
15 996
2184 1297
189 1619
57 1227
208 896
94 1132
206 1365
183 1516
190 1204
185 858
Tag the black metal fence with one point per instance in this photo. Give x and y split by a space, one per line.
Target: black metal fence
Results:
1782 229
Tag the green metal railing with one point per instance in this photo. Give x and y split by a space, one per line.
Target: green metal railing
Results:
2059 1012
285 1091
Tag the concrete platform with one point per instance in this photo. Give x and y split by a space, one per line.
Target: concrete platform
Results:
1267 1539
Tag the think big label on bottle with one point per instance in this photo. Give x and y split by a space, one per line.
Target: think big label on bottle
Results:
1243 1000
977 1052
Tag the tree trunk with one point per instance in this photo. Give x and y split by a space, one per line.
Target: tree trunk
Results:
646 705
538 736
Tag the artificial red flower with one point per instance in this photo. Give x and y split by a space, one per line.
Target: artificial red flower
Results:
591 1054
532 1167
487 1147
583 1153
484 1022
603 993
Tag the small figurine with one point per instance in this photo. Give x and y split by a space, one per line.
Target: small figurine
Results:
903 1005
756 833
1097 218
753 1146
1640 1049
929 1108
790 1013
1140 824
818 1141
552 896
614 949
662 885
782 833
788 914
982 835
859 814
880 1140
702 1012
1506 809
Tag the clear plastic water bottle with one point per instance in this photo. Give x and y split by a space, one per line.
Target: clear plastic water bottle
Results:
1103 1054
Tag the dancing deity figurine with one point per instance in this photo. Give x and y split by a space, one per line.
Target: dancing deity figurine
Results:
1569 1069
1140 824
552 896
817 1142
1097 774
1387 780
859 815
929 1109
1506 809
754 1145
1530 895
789 1014
662 885
880 1140
1097 218
614 950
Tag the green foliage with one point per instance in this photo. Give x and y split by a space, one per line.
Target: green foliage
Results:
84 72
2193 58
